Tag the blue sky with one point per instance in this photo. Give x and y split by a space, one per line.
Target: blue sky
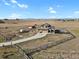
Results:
39 8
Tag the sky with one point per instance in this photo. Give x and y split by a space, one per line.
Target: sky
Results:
39 9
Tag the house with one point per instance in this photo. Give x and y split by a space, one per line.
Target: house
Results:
46 28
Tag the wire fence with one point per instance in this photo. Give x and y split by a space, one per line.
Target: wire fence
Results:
29 52
51 44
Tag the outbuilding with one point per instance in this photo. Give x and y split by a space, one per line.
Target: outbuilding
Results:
24 30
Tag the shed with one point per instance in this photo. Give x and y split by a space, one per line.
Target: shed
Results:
24 30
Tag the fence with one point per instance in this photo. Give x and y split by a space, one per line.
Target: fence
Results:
51 44
21 50
29 52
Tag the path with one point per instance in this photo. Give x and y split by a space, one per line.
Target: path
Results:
38 35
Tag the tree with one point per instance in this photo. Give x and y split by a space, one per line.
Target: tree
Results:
6 19
17 19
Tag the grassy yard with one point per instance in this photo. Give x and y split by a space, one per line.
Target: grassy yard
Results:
42 41
1 39
75 31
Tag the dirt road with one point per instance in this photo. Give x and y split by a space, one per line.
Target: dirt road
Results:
38 35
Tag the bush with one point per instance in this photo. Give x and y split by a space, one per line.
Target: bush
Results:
5 19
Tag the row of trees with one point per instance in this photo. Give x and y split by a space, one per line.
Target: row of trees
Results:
3 21
12 19
67 19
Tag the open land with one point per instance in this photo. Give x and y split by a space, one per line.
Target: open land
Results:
68 47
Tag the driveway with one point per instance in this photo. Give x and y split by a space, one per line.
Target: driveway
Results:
38 35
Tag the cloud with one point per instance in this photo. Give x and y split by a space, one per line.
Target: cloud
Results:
22 5
69 16
51 10
52 17
13 1
18 4
14 16
76 12
6 3
58 6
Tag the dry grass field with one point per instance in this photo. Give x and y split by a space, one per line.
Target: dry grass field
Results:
32 22
70 46
10 53
42 41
